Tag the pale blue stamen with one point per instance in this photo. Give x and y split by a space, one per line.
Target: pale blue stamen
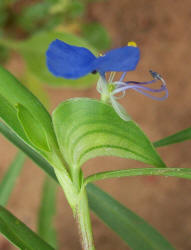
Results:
137 86
154 97
122 76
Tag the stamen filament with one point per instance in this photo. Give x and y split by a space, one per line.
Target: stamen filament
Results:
153 97
149 82
122 76
120 89
111 77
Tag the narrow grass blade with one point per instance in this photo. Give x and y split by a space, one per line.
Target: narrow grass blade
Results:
181 136
129 226
47 213
8 181
173 172
19 234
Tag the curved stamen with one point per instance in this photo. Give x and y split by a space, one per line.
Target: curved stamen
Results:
149 82
156 77
121 96
140 90
153 97
137 86
120 89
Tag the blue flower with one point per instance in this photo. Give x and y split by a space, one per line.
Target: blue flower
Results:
72 62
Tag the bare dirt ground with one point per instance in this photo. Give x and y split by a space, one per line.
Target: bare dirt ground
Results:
162 30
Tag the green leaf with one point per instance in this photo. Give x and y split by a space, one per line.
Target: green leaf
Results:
19 234
34 155
9 115
36 87
8 181
75 9
34 130
4 52
181 136
129 226
96 35
12 93
93 195
34 52
88 128
32 16
173 172
47 212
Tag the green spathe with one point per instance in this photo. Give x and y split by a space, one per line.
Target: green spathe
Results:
87 128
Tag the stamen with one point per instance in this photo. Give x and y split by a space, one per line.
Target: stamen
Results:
122 76
111 77
149 82
137 86
121 96
120 89
153 97
102 86
140 90
156 77
133 44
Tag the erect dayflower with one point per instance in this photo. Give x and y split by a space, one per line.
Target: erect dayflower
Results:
72 62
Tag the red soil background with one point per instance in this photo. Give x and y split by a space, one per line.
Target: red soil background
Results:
162 30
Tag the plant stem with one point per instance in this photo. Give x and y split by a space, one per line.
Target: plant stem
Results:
77 198
84 222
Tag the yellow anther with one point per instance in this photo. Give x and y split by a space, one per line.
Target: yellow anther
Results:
132 44
100 54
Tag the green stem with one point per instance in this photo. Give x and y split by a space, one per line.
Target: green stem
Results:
77 198
68 187
84 222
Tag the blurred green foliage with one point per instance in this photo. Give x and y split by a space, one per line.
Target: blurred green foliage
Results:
96 35
22 21
48 14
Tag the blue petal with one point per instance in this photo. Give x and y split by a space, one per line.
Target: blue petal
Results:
122 59
68 61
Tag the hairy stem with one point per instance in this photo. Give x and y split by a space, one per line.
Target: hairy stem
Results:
84 222
77 198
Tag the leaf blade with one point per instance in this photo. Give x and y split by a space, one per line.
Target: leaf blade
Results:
129 226
170 172
87 128
29 151
9 179
180 136
33 130
47 212
13 92
46 167
18 233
